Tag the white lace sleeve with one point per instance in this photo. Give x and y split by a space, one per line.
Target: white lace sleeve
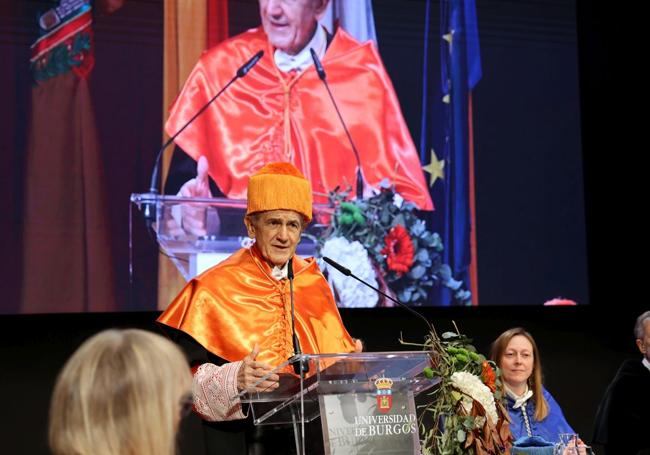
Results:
213 389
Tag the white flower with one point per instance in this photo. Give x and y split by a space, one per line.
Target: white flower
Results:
472 385
398 200
354 256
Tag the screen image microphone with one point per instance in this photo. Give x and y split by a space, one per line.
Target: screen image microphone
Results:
246 67
345 271
323 77
149 210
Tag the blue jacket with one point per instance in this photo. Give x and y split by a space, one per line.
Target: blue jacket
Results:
549 428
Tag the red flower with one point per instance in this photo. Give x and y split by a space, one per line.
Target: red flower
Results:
488 376
399 250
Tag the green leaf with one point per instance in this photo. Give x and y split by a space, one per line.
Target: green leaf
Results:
469 423
417 272
445 273
405 295
346 219
423 255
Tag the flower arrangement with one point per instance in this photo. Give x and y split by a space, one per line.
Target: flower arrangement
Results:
384 242
404 255
464 413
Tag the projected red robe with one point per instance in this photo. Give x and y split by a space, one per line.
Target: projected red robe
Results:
270 116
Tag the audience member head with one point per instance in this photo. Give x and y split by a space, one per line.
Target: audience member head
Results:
642 334
123 392
516 353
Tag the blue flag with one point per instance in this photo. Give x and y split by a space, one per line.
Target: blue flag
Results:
446 141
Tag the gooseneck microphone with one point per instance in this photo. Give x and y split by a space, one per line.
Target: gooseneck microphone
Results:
347 272
323 77
298 366
246 67
149 211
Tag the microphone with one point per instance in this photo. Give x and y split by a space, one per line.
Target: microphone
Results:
323 77
149 211
319 66
246 67
298 366
347 272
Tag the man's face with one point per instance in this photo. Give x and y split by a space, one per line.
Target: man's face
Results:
644 343
276 234
289 24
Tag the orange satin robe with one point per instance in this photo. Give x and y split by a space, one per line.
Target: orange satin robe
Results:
270 116
236 304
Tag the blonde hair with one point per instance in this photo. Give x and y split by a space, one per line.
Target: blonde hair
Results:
119 394
535 380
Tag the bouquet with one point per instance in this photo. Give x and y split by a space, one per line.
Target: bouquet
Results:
382 238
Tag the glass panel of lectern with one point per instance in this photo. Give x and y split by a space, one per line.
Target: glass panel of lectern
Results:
365 401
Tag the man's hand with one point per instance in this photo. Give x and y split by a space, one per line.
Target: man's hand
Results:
358 345
193 218
198 186
251 371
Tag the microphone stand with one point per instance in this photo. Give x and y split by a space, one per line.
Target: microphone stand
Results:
323 77
299 367
149 209
345 271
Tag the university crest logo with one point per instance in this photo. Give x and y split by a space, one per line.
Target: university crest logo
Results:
384 394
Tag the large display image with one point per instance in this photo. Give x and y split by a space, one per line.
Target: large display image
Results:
441 146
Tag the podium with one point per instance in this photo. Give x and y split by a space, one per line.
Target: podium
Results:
223 222
365 401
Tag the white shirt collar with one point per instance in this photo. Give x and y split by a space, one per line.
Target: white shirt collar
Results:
302 60
646 363
519 399
280 273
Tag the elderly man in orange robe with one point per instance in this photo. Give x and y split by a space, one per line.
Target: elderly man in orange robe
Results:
281 110
234 320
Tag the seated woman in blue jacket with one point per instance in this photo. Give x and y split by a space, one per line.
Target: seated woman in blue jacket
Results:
533 411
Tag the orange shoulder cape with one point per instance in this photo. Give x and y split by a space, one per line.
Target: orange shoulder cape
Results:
268 116
237 304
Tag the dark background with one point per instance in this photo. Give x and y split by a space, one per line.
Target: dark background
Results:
581 347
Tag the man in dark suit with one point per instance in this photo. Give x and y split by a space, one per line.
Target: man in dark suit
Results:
623 417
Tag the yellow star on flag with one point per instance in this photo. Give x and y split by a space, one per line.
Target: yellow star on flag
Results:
436 168
449 37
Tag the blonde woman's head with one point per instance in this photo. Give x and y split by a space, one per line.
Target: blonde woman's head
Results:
120 393
516 353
